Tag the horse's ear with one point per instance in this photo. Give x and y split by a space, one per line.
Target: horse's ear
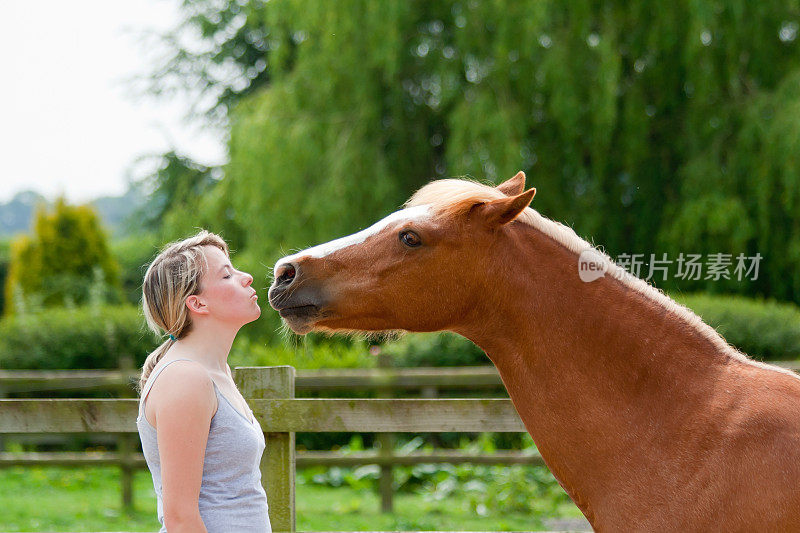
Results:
514 186
504 210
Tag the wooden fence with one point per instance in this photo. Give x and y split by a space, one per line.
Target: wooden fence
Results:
270 392
119 381
387 382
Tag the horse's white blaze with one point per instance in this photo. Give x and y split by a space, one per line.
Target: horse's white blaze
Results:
321 250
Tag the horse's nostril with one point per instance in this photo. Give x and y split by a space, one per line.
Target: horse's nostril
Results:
285 274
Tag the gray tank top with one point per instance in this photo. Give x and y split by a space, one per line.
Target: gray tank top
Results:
232 499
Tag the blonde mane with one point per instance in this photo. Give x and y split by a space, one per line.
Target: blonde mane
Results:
453 197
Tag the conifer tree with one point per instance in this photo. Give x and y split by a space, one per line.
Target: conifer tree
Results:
65 261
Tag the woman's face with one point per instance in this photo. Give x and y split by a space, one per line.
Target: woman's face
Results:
226 292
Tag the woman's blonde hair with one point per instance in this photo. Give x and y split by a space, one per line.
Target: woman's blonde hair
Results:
173 276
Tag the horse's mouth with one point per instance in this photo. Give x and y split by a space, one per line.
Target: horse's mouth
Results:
301 318
299 308
301 311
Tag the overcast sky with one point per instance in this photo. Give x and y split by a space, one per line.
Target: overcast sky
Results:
68 123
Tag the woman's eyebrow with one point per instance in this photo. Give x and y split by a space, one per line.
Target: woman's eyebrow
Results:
223 267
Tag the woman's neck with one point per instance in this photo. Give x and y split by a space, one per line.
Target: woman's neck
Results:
208 343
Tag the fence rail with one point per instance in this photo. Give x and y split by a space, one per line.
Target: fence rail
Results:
302 459
478 377
314 415
442 378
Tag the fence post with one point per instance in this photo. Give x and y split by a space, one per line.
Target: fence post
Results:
386 442
124 449
278 461
125 444
3 395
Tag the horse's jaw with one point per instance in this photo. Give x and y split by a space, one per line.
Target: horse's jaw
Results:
301 318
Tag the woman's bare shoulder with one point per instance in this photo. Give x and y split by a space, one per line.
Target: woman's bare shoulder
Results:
182 384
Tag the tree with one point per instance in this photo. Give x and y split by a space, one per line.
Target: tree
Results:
648 127
229 62
182 196
66 261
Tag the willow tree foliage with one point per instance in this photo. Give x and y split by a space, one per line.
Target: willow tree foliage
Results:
649 127
181 197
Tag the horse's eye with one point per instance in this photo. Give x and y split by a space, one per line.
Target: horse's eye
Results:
410 239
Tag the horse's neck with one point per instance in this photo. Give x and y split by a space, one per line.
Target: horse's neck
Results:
602 376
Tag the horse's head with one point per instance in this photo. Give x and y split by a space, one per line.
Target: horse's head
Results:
423 268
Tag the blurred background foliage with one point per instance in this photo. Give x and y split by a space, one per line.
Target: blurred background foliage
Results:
92 336
64 263
648 128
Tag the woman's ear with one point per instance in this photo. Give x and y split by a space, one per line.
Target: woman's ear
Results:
196 305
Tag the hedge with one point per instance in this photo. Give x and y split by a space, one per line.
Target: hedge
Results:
81 337
763 329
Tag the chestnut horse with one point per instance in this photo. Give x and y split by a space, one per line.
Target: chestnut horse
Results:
644 414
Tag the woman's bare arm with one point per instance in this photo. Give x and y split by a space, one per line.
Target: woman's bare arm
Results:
183 406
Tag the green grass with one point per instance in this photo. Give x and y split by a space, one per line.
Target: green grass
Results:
88 499
341 509
73 499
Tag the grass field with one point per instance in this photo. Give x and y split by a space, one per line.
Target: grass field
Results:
88 499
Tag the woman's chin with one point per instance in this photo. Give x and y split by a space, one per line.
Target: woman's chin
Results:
254 315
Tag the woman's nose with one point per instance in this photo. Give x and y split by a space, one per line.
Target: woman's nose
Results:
248 279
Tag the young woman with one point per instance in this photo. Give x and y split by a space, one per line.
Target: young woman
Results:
199 437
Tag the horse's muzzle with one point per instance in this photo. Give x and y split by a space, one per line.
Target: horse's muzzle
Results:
298 301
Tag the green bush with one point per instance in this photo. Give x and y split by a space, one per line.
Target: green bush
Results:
83 337
308 354
763 329
435 349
